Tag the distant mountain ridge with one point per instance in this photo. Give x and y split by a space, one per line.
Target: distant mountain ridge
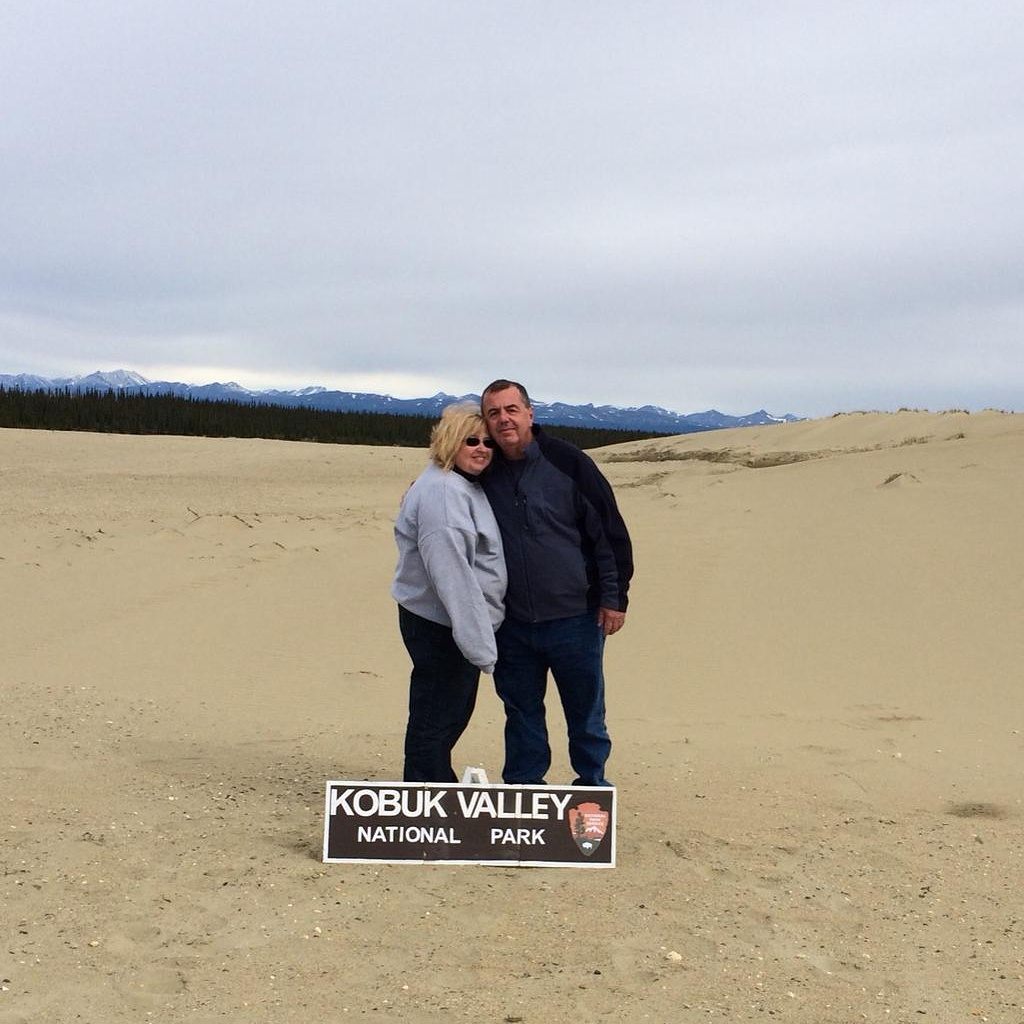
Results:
609 417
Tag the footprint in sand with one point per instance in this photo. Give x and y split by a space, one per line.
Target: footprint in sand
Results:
151 986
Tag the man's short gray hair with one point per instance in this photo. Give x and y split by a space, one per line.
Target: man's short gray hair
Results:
504 385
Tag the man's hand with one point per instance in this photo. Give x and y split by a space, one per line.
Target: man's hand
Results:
610 620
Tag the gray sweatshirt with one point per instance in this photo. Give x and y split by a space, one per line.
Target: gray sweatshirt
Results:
451 567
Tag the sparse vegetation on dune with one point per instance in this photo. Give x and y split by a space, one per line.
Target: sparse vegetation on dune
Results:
727 455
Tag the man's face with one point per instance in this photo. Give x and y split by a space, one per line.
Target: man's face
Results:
509 421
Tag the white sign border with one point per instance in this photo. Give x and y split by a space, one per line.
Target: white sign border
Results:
441 862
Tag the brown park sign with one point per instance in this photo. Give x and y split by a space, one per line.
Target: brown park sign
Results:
430 823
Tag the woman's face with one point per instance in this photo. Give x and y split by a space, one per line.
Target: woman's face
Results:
475 452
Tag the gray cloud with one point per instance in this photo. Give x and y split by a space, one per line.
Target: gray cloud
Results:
808 207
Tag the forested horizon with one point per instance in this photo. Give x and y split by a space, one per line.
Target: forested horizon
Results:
118 412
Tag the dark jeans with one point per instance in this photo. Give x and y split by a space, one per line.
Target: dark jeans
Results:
573 650
442 695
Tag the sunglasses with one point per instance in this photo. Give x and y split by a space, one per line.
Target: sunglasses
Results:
472 442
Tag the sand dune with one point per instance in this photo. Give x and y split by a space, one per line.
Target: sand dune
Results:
815 706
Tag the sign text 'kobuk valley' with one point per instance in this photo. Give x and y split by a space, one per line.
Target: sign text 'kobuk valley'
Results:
570 826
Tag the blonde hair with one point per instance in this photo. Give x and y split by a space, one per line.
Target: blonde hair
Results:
456 424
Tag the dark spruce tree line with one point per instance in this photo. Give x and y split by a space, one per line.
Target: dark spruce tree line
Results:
119 412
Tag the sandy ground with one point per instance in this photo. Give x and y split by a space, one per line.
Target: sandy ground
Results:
816 707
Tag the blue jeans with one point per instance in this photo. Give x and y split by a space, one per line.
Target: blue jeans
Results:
573 650
442 695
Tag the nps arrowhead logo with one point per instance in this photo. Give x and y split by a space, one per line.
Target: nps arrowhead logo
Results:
588 823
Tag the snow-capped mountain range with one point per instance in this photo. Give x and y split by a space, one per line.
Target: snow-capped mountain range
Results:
647 418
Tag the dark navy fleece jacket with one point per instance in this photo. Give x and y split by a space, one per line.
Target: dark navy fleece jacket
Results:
567 549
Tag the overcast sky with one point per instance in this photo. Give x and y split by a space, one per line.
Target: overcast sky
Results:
807 207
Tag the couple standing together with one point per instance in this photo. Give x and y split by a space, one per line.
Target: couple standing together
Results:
513 560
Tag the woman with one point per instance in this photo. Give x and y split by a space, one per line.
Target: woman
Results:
450 589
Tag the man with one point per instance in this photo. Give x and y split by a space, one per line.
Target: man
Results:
569 561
